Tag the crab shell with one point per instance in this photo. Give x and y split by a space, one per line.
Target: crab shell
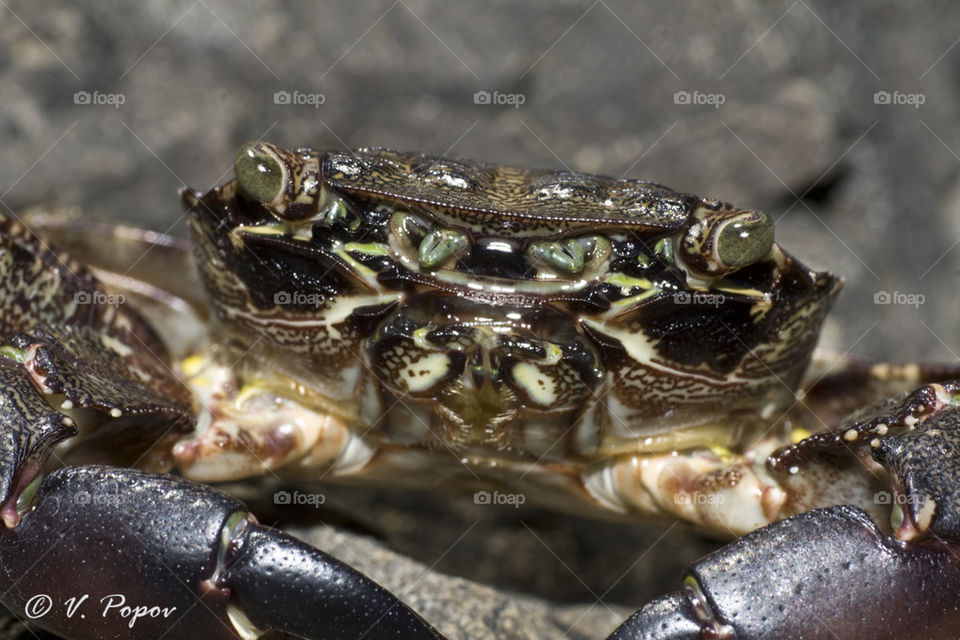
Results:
424 318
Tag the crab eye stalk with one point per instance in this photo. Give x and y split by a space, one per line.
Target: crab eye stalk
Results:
745 239
720 241
261 173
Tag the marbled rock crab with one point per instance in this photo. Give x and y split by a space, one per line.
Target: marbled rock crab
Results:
597 344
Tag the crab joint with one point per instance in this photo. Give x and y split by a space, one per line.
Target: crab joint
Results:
232 531
704 612
23 495
230 540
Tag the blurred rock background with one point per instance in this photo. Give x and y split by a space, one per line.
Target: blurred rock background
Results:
839 120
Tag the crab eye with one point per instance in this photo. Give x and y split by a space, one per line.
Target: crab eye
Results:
260 172
744 239
723 239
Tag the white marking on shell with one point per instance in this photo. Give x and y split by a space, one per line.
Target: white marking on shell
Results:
924 515
539 386
115 345
642 349
425 372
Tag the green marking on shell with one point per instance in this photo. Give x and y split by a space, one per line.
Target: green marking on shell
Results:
13 353
745 239
261 175
337 211
564 255
664 249
440 245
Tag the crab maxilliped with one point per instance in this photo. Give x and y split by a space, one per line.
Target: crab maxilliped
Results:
400 319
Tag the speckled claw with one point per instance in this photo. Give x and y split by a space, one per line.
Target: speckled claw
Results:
671 617
75 361
74 381
153 556
915 438
282 583
828 573
31 428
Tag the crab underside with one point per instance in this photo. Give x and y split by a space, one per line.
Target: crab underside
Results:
599 346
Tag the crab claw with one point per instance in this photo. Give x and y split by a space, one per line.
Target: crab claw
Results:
924 464
671 617
826 573
106 552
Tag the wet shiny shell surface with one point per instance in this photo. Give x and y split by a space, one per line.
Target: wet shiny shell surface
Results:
505 199
495 313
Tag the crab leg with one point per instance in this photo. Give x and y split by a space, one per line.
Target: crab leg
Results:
718 492
106 550
148 551
97 551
